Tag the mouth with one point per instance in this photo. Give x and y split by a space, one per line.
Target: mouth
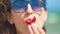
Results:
29 21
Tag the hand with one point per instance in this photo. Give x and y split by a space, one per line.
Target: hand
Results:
35 29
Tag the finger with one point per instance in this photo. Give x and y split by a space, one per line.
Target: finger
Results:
30 29
34 28
41 30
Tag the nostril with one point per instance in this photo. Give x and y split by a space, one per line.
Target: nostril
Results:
29 13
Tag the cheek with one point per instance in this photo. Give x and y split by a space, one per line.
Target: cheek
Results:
17 18
37 16
39 20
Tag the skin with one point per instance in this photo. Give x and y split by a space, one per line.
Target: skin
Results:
23 28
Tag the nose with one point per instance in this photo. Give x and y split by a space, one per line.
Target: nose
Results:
29 9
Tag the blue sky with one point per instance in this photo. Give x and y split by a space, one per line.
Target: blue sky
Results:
53 5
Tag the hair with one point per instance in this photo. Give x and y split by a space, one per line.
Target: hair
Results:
5 26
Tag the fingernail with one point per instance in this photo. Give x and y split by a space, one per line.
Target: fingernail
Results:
32 24
29 26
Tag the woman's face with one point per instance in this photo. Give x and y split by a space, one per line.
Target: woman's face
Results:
19 17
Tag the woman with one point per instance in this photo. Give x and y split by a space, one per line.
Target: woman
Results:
25 17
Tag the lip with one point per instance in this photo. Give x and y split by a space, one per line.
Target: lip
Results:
29 21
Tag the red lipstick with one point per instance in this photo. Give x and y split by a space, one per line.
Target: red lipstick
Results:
29 21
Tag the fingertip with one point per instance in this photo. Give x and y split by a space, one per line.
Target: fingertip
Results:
30 29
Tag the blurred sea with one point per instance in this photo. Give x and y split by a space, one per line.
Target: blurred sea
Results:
53 22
